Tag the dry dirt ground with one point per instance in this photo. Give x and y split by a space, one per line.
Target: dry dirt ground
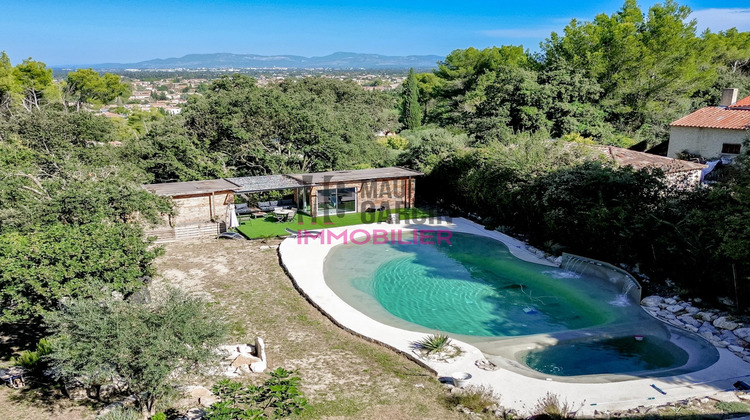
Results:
343 376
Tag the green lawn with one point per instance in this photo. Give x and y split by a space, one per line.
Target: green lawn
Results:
269 227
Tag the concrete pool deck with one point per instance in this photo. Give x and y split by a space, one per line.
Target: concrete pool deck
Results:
304 262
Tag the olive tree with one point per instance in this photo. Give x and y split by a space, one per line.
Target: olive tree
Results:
149 346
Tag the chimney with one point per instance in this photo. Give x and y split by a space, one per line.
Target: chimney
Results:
729 97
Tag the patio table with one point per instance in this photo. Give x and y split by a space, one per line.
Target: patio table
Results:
281 214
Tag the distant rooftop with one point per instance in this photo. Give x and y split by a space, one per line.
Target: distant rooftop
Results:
742 103
640 160
734 117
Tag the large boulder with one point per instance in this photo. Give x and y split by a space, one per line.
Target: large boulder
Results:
708 327
651 301
743 333
674 308
725 324
689 320
706 316
76 390
666 315
202 396
691 309
124 403
735 349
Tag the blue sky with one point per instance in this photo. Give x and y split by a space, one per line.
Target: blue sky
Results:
88 32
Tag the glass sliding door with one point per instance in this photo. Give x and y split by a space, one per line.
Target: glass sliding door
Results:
337 200
303 200
347 200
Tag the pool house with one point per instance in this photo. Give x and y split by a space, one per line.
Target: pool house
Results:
205 208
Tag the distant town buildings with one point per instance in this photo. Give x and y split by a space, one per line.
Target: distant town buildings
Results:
169 94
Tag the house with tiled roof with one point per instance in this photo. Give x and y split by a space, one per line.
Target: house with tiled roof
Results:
714 131
678 173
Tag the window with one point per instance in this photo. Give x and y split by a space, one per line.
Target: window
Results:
731 148
337 200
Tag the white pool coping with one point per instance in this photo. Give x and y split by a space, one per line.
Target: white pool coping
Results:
304 263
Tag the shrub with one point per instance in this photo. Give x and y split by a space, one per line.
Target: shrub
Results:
279 396
434 343
475 398
551 407
397 142
30 359
120 413
733 407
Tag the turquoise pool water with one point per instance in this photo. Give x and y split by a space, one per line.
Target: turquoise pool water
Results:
475 290
611 355
473 286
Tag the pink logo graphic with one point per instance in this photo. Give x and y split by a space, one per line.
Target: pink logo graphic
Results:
377 237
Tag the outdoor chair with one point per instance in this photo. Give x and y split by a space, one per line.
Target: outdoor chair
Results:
242 208
265 206
279 214
303 233
290 216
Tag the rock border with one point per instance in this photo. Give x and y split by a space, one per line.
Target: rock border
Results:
715 326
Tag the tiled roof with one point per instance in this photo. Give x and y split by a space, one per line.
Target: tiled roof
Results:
716 117
640 160
742 103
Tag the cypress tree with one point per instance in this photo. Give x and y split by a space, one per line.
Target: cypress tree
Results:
411 113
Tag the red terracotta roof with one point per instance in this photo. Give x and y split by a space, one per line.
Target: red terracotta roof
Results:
742 103
716 117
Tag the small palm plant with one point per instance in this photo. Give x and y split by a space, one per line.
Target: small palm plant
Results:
434 343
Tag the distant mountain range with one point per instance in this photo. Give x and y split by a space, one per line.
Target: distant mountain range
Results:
335 61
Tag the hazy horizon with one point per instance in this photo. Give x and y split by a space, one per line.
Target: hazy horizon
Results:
81 32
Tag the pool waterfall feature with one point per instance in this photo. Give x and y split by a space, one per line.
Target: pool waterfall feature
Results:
476 291
631 290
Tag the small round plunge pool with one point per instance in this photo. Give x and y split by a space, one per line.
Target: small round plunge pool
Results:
606 356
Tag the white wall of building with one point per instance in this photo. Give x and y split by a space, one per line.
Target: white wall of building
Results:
706 142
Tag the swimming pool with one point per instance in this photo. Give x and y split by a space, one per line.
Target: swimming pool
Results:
474 289
607 355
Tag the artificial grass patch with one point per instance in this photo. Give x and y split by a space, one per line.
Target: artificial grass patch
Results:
269 227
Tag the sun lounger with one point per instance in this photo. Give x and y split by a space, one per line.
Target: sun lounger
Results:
304 233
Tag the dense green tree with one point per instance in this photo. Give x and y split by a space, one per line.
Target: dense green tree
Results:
429 86
87 86
169 153
146 345
638 95
9 85
411 110
466 73
301 125
428 147
60 261
35 81
514 102
72 213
